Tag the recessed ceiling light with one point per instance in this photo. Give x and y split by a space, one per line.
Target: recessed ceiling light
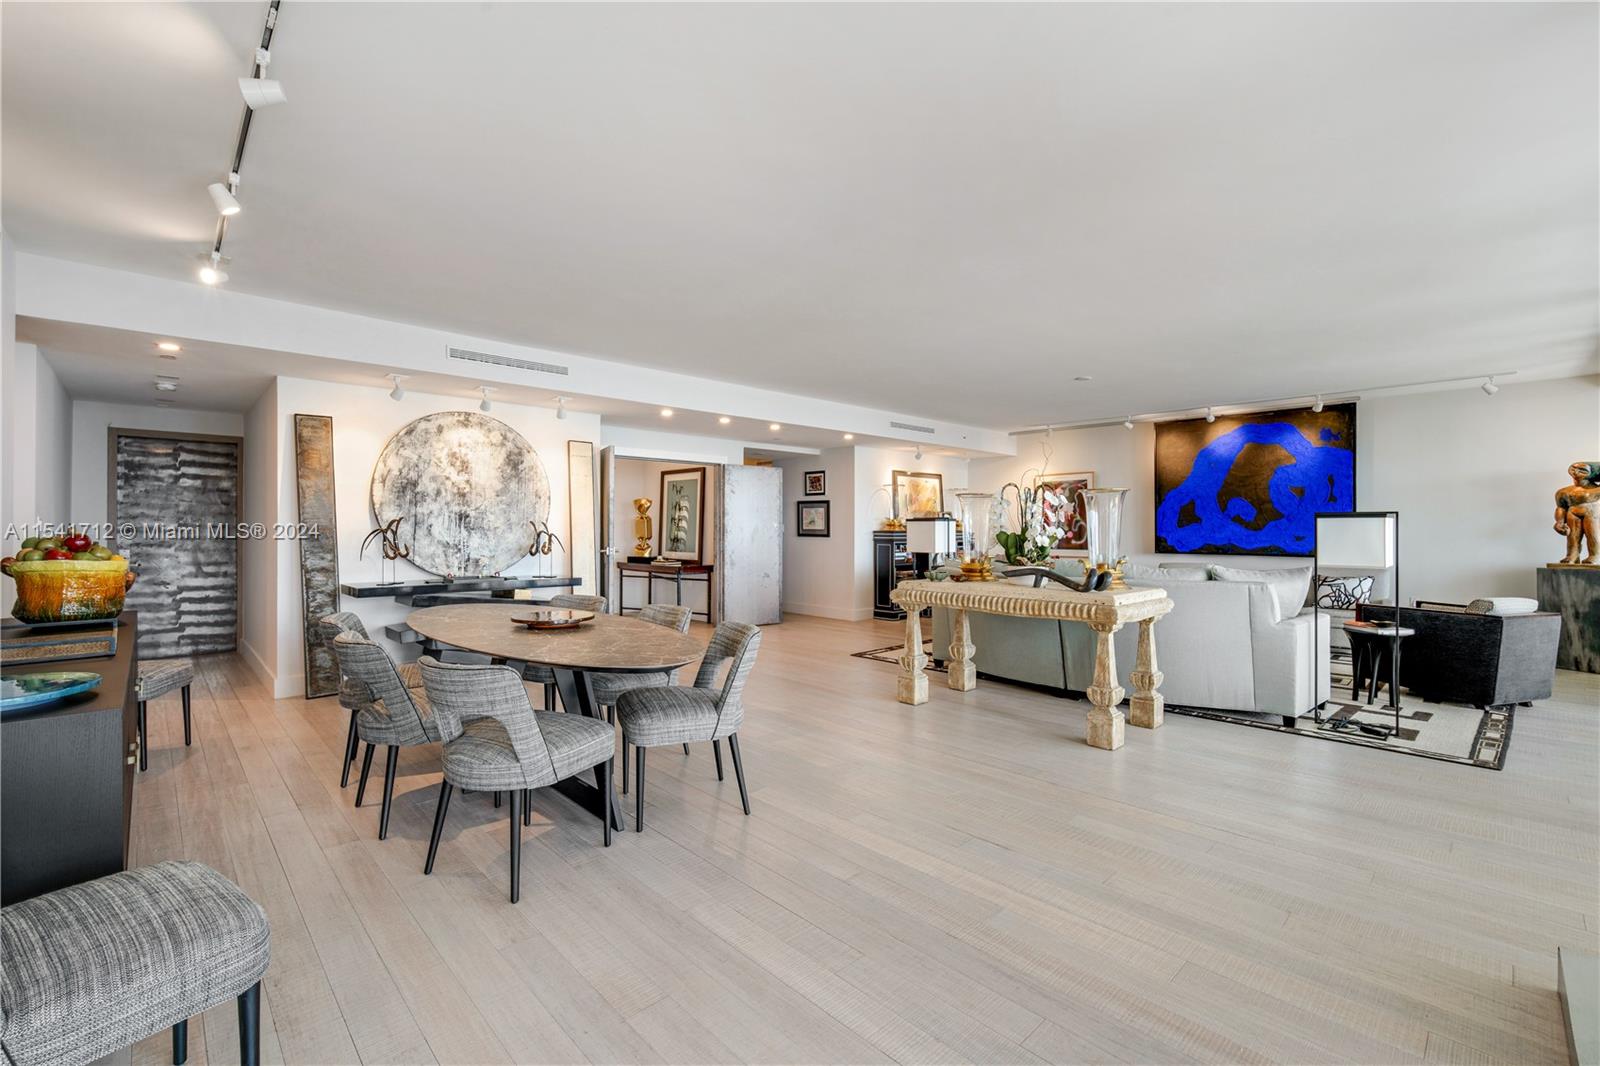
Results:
849 436
774 426
167 386
169 346
724 420
1084 377
666 412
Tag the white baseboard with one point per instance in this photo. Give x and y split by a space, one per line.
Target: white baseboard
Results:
257 665
817 610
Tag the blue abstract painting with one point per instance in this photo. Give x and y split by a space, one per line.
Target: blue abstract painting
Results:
1253 484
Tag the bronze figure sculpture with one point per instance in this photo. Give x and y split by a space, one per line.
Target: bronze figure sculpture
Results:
1578 513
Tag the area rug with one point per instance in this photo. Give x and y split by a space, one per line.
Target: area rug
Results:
1448 732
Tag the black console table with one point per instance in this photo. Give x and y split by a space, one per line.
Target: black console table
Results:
406 591
66 776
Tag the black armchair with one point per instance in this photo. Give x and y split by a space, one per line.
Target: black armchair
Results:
1487 660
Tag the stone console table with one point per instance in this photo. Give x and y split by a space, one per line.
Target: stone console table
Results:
1103 612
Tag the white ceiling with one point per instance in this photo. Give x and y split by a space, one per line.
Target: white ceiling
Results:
948 209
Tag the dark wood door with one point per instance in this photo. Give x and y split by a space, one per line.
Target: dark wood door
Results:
175 504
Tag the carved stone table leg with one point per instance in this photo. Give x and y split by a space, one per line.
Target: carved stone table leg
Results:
1146 708
962 674
912 685
1105 717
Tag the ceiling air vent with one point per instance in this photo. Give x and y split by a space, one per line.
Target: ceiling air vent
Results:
471 356
908 427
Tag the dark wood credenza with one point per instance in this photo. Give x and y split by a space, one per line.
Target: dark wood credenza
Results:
66 779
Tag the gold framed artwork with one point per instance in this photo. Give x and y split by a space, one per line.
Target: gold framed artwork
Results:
1062 507
683 513
918 495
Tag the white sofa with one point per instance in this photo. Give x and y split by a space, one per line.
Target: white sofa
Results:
1223 647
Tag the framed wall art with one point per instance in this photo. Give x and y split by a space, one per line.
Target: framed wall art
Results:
816 483
918 495
812 519
683 513
1062 507
1252 484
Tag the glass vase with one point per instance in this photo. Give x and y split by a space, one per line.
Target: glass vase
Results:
977 523
1102 516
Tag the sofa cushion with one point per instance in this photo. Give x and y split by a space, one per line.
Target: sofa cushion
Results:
1288 584
1157 574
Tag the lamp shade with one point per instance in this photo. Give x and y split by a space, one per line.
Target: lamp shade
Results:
1365 542
931 536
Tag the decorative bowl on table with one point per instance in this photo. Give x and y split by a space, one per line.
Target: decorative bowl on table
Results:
552 618
69 590
25 692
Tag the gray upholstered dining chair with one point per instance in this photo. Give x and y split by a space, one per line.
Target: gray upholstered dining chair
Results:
494 741
543 674
157 677
353 695
397 716
608 686
672 714
92 968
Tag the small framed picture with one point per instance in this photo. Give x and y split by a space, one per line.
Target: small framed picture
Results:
812 519
816 483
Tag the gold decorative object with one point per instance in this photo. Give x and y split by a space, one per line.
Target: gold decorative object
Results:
1578 514
643 527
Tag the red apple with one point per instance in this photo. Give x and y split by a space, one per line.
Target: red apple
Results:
57 553
76 542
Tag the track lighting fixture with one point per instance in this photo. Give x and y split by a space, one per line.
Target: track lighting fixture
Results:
1211 416
1127 423
211 272
1316 405
1489 387
261 92
917 455
396 393
485 405
561 407
222 196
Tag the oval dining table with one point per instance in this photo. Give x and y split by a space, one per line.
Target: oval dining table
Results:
607 643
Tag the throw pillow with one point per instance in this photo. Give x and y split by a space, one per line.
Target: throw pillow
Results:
1140 572
1288 585
1343 593
1185 572
1503 605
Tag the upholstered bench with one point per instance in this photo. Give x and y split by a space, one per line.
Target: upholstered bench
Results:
157 677
91 969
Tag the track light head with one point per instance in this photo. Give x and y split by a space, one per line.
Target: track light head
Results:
1489 387
1211 415
211 272
561 407
1316 405
485 406
1127 423
227 203
396 393
261 92
917 455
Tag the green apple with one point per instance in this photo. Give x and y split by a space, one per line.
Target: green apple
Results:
31 542
32 555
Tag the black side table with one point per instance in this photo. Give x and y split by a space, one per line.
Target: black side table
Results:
1369 645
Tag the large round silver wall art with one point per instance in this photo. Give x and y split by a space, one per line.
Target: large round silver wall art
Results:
465 487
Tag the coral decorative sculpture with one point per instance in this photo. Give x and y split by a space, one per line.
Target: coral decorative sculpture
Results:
1578 514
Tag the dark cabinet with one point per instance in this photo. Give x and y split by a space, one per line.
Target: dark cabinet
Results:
891 564
66 779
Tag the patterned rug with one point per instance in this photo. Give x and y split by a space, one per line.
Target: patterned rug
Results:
1449 732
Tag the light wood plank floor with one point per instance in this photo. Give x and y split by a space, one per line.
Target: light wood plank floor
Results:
960 881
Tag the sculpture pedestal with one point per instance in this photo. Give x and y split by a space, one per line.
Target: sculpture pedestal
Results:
1573 592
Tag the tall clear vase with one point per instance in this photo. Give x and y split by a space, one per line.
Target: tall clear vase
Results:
977 522
1102 516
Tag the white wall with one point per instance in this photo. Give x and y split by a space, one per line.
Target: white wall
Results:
1472 476
258 559
820 574
92 419
38 449
364 418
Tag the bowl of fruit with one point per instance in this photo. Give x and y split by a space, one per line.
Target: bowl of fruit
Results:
67 579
